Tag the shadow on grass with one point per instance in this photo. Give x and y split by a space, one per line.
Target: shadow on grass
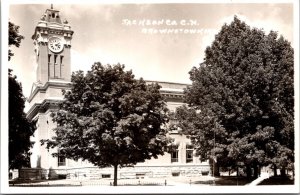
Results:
45 185
38 183
25 181
227 181
141 185
64 183
277 181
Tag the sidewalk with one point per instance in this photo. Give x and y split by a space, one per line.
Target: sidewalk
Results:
262 177
168 181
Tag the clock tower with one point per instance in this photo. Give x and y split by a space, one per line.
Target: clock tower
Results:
52 43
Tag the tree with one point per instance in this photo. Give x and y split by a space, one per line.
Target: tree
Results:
110 119
14 37
244 92
20 129
205 133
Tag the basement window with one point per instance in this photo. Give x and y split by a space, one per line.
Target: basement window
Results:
140 175
106 175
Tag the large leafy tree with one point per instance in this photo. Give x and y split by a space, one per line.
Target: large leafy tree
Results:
14 38
242 97
110 119
20 128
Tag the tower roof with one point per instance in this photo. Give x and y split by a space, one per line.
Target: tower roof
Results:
51 19
52 15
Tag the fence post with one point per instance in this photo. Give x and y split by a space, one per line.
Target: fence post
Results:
165 182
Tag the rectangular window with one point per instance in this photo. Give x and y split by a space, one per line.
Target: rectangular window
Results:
173 123
49 58
61 60
174 154
55 59
106 175
61 160
189 153
55 67
49 65
140 175
61 66
175 174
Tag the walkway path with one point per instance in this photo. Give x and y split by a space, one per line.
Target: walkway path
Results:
262 177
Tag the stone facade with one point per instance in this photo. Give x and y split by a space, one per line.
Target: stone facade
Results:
53 75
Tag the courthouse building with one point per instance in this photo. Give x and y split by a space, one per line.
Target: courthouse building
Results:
52 44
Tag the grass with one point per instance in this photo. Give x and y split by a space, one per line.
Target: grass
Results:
233 180
24 181
40 183
219 181
277 181
63 183
227 181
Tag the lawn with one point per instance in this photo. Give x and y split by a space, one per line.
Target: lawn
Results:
277 181
203 180
227 181
100 182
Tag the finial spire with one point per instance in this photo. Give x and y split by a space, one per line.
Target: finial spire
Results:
51 6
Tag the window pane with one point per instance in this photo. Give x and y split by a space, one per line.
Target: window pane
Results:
174 155
61 161
189 153
189 156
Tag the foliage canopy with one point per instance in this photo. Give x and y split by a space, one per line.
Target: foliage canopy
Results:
20 129
242 97
14 38
110 119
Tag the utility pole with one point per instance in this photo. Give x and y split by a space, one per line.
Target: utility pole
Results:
214 154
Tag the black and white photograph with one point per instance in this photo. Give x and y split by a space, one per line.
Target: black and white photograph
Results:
150 97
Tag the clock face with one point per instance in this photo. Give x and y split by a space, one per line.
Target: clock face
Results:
55 44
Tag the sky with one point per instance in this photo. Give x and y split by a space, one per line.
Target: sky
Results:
129 34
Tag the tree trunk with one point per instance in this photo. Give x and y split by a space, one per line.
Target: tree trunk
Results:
248 171
282 172
275 170
115 175
255 171
217 169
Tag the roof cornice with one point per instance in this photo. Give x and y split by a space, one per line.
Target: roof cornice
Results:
42 89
